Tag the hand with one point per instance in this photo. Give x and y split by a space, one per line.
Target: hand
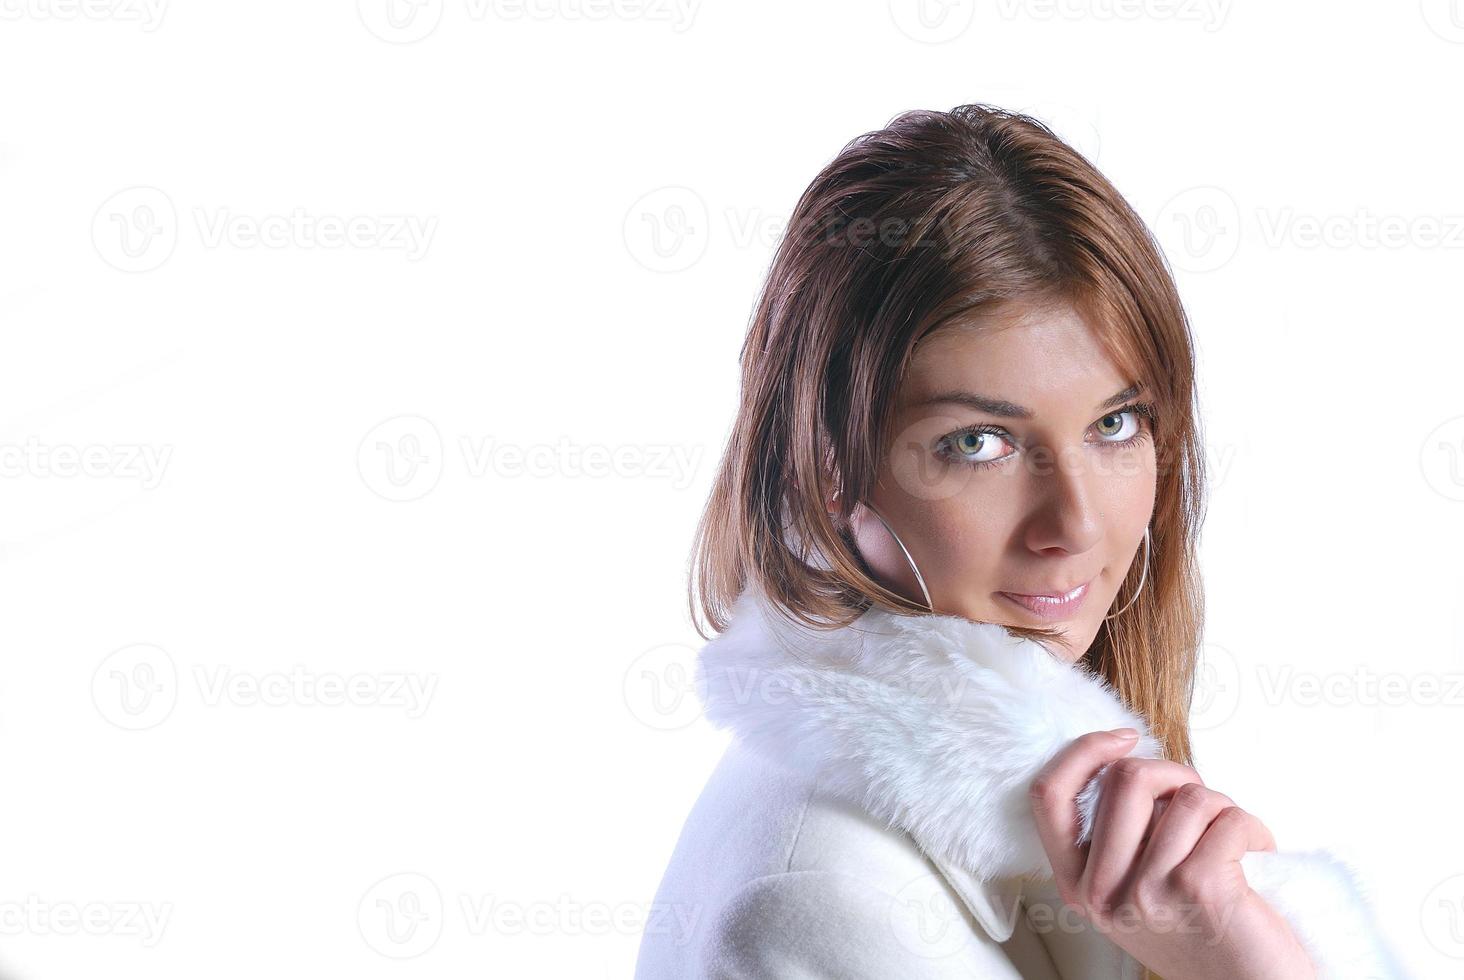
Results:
1161 876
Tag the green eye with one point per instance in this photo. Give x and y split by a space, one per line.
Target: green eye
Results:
981 445
978 446
1119 426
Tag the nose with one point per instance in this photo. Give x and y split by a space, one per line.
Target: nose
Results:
1066 518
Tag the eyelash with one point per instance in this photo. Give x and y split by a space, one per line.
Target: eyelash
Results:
1144 410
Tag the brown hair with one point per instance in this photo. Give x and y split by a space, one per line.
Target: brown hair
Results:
939 215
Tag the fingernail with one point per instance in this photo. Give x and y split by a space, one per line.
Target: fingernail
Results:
1124 733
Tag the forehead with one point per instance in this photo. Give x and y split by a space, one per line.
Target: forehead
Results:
1031 355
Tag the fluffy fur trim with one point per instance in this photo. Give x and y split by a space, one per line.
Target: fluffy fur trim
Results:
937 725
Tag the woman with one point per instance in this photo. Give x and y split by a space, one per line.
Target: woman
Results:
950 554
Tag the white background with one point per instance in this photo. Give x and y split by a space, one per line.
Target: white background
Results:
262 476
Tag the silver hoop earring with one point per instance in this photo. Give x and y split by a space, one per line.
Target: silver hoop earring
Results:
1143 576
906 552
920 579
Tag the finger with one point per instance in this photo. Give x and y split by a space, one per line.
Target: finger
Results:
1053 797
1126 806
1188 814
1161 775
1230 835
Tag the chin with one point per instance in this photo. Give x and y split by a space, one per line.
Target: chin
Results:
1069 650
1082 648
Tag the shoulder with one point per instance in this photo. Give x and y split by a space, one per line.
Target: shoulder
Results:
820 923
774 877
758 819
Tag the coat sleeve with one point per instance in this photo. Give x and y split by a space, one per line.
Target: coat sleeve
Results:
1323 901
802 925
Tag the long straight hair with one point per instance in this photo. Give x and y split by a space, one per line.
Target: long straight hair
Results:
937 216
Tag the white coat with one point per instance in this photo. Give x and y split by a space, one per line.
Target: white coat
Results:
870 819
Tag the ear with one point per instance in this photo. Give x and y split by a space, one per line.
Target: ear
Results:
830 504
831 477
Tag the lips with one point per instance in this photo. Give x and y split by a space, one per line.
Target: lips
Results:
1050 605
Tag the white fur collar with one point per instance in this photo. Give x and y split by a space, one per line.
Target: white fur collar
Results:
937 725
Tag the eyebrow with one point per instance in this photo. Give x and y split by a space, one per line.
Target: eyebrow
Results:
1005 409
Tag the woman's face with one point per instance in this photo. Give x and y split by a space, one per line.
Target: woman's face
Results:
1017 471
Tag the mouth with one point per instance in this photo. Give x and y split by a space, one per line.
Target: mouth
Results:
1050 605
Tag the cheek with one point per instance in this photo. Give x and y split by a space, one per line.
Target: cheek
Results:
1128 489
968 536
